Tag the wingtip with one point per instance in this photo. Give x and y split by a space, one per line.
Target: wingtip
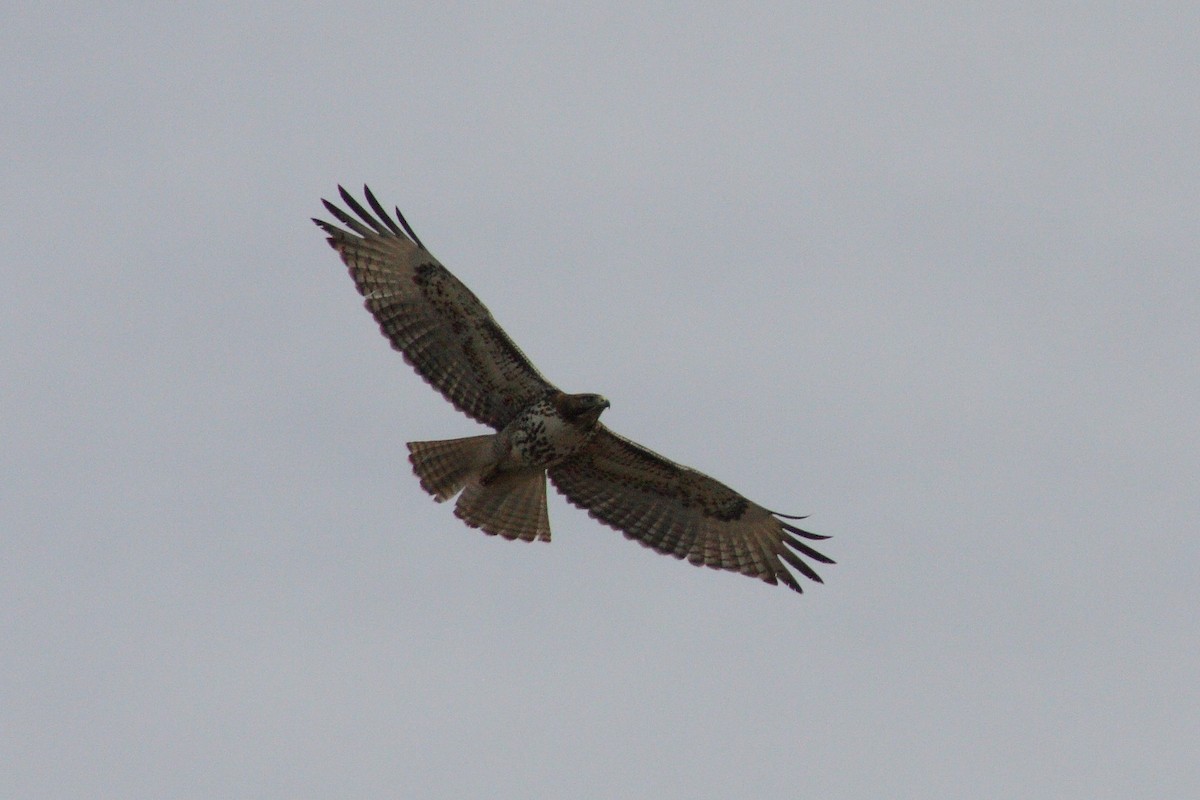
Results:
788 580
383 225
408 229
802 532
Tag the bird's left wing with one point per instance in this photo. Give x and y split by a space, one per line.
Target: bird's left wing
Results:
440 326
676 510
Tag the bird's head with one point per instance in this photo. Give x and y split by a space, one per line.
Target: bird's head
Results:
583 409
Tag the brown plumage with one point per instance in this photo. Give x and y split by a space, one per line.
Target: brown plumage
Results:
451 340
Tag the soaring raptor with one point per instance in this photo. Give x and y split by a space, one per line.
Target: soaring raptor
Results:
451 340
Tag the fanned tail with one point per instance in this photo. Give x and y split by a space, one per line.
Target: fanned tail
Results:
447 465
512 506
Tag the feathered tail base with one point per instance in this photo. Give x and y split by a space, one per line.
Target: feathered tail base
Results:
513 505
508 504
445 466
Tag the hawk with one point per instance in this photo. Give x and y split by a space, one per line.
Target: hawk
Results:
447 335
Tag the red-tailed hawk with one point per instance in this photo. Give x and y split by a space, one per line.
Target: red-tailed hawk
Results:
451 340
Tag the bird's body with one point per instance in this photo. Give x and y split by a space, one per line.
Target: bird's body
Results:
453 342
551 429
491 469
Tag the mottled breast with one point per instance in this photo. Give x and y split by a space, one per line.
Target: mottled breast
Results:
540 436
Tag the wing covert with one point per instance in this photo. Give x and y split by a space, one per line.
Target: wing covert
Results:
442 329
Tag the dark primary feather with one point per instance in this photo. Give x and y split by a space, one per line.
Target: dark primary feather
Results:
440 326
676 510
383 215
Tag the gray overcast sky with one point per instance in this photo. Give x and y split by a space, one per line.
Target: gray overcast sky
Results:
927 273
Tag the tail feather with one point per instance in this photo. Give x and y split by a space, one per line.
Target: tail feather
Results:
446 466
513 506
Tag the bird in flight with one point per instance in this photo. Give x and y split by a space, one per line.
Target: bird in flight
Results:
447 335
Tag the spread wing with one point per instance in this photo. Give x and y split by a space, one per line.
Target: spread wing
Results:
442 329
682 512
